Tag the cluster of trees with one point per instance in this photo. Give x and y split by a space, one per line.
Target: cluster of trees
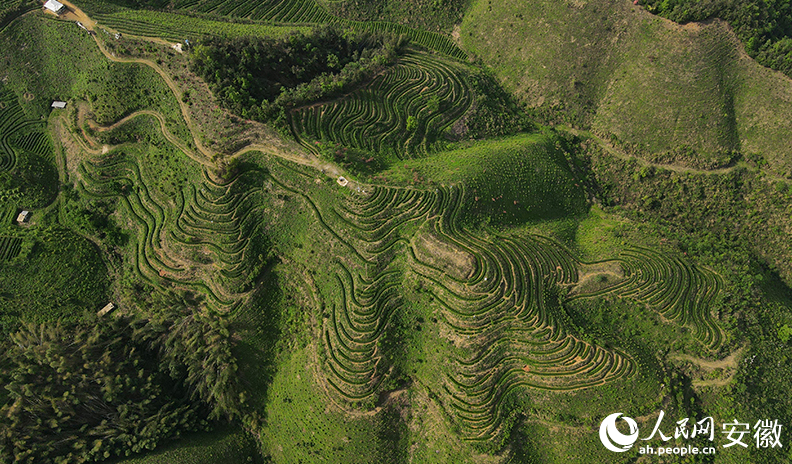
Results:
195 348
357 162
495 112
263 78
113 386
765 26
92 217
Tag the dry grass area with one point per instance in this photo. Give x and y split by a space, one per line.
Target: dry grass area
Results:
442 255
682 94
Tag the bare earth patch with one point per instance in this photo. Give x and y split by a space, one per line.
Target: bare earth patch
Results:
444 256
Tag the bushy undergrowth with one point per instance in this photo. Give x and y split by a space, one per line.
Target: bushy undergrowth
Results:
262 78
57 275
10 10
34 177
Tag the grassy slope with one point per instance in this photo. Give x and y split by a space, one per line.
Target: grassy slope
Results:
511 180
618 69
293 398
302 427
114 89
178 27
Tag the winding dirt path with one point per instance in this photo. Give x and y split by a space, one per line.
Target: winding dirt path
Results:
207 154
728 363
610 148
155 114
204 155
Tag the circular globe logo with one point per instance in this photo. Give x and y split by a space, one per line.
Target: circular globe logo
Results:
614 440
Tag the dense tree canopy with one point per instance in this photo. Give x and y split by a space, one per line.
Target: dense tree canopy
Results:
86 394
261 78
114 387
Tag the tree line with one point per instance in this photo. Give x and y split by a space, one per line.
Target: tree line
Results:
765 26
114 386
262 78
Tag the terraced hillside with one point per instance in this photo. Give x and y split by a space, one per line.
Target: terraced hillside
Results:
284 11
497 299
200 236
268 18
18 134
179 28
377 117
439 310
9 248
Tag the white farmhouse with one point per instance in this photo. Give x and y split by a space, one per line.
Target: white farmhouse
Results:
54 6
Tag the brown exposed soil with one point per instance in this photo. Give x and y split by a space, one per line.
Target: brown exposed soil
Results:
444 256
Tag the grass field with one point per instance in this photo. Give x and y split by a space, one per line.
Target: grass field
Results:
303 427
672 93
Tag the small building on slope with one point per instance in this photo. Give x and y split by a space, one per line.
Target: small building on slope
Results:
23 217
58 104
54 6
108 308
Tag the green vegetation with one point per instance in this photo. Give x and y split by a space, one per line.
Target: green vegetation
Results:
412 109
179 27
435 15
255 18
282 11
765 27
226 446
435 300
27 177
10 248
114 90
10 10
668 94
85 394
196 349
477 291
300 428
55 275
263 78
508 181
